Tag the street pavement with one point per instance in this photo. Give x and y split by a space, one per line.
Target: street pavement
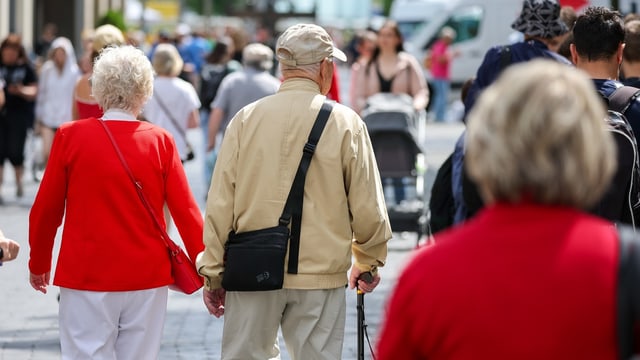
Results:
29 322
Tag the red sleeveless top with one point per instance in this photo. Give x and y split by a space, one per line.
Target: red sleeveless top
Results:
88 109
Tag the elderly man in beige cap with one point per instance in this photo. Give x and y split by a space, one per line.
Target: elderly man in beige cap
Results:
343 212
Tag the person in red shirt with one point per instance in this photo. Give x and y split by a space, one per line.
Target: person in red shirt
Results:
334 90
84 104
532 276
113 269
441 58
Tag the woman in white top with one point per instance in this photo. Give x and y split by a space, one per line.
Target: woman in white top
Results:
175 103
56 85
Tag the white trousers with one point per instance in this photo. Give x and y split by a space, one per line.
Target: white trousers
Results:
123 325
312 323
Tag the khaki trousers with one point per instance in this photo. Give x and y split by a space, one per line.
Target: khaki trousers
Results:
312 323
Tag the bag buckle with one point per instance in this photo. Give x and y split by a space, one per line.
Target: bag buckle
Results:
309 148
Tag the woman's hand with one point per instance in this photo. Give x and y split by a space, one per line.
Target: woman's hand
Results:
40 282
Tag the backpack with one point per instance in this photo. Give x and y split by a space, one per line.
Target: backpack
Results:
627 175
441 203
210 79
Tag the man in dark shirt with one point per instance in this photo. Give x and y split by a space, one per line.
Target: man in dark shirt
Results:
597 49
42 46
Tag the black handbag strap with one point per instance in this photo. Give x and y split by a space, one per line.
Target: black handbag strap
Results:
293 207
628 291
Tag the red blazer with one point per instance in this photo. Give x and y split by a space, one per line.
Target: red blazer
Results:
516 282
109 242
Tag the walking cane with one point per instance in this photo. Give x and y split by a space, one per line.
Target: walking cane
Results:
362 326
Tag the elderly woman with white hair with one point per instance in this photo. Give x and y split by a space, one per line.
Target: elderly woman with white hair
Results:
113 269
533 275
175 103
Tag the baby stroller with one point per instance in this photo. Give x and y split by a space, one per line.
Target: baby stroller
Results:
393 127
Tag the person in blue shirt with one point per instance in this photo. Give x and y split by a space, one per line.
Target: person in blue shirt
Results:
543 29
193 49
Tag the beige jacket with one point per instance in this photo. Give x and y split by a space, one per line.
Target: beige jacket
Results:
344 213
408 79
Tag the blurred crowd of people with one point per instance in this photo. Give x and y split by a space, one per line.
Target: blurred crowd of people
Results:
534 188
114 143
50 84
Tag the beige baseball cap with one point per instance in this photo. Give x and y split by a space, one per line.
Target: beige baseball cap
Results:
258 53
305 44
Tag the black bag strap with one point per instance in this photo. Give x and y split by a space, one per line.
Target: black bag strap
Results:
622 97
293 207
628 291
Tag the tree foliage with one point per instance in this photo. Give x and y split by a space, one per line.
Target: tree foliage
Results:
386 7
218 7
113 17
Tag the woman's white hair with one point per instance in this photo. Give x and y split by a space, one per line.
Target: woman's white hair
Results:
539 134
122 79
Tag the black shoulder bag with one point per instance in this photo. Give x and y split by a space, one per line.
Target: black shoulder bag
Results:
254 260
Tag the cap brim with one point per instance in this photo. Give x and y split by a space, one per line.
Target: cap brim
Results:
338 54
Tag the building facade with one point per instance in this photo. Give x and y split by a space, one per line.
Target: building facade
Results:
28 17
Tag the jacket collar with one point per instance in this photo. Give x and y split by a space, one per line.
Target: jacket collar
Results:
299 84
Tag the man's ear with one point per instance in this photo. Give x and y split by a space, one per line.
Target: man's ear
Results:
620 53
574 53
324 74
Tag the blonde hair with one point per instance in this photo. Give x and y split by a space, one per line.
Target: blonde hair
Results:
449 32
539 134
166 60
107 35
122 79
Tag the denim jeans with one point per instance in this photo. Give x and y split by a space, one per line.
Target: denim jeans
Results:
441 88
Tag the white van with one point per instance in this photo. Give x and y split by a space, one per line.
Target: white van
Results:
480 24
